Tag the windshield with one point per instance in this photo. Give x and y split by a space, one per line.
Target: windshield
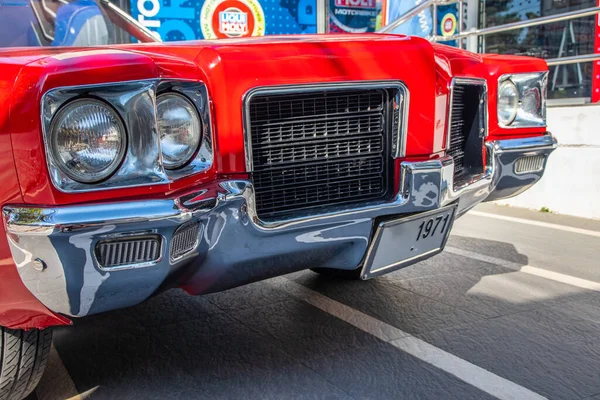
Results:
67 23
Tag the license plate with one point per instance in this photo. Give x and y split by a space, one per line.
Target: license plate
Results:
401 242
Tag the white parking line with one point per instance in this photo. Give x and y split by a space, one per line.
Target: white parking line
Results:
528 269
472 374
536 223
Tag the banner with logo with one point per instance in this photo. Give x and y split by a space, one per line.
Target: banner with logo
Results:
353 16
447 20
211 19
422 24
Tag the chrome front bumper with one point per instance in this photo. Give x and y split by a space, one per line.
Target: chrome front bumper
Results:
54 248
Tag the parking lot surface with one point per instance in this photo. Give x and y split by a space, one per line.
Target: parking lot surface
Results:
510 310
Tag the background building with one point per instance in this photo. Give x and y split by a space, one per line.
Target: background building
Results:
555 40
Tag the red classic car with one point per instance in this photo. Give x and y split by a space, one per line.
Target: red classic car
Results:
129 169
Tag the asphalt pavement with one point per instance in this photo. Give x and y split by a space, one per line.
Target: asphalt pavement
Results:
510 310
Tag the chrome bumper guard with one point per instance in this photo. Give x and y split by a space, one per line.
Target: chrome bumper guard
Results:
55 249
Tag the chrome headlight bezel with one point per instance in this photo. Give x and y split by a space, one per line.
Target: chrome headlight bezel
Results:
135 102
527 84
88 177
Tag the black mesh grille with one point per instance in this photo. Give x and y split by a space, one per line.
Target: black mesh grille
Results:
466 130
321 148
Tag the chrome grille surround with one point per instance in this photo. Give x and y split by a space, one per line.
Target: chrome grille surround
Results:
185 240
467 128
128 252
315 147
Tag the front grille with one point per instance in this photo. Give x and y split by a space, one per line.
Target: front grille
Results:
128 251
319 148
467 130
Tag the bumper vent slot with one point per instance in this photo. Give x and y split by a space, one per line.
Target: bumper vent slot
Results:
467 130
528 164
130 251
319 148
185 240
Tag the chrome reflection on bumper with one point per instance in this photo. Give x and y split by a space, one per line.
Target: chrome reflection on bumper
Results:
233 246
508 181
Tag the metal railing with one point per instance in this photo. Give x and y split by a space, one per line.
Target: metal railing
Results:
458 37
573 59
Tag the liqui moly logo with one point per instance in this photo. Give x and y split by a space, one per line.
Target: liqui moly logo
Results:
233 22
356 3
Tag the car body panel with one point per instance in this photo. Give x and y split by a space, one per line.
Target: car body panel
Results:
230 69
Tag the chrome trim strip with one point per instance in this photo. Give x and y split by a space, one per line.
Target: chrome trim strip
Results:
285 89
399 204
546 142
402 98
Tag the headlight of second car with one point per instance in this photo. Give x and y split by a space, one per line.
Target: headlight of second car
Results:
179 128
88 140
522 100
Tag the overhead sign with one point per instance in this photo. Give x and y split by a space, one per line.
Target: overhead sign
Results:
352 16
214 19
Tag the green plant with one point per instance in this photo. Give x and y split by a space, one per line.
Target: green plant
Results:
545 210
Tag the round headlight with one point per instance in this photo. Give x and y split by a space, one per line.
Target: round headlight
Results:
88 140
179 128
531 102
508 102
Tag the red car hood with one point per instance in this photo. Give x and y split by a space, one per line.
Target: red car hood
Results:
231 68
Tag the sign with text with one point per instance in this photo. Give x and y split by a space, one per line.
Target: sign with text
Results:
215 19
352 16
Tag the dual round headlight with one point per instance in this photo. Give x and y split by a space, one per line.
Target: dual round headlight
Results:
89 139
179 128
521 100
508 102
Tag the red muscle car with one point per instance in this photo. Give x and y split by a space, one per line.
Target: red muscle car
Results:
131 168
